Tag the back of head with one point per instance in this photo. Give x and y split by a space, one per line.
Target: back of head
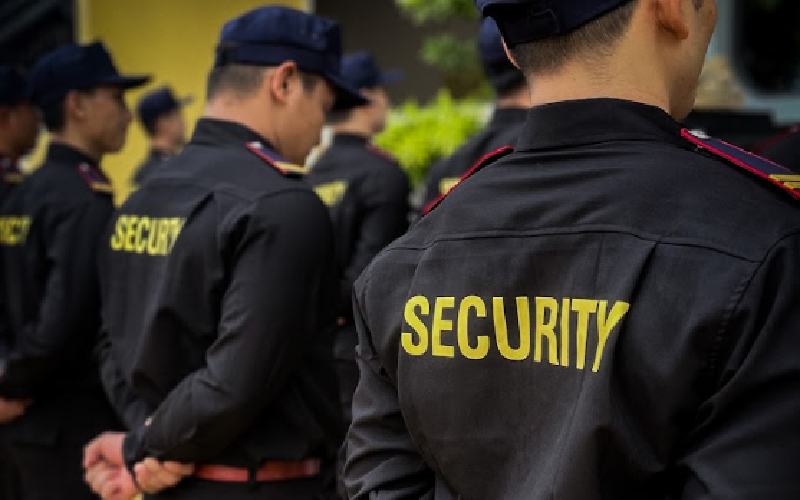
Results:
647 44
277 71
19 122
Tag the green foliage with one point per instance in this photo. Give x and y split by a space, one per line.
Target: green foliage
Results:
421 135
423 11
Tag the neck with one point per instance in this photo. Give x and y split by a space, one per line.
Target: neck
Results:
520 98
76 141
162 145
228 108
610 78
353 127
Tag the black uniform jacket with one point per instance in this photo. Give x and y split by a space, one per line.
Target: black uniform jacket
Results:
366 193
786 152
604 313
52 227
217 279
10 178
502 130
154 160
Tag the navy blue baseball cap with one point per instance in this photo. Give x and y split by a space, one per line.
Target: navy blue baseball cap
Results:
272 35
76 67
13 87
499 70
362 72
159 102
523 21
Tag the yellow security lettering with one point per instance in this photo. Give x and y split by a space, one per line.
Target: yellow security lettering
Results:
406 338
14 230
482 349
546 307
441 325
584 308
130 236
604 326
141 241
501 329
118 238
565 314
163 237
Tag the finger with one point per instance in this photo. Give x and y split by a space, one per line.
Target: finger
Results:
91 453
179 468
157 477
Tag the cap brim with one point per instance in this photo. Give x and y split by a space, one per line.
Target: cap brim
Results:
390 77
347 97
126 82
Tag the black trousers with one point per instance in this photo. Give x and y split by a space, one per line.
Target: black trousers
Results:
198 489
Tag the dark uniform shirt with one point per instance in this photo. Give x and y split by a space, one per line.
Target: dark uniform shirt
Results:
51 232
149 165
604 313
502 130
10 178
366 193
786 152
217 277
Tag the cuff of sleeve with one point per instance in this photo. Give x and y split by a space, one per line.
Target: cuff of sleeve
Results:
133 450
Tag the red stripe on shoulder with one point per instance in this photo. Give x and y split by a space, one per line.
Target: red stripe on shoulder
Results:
768 170
486 160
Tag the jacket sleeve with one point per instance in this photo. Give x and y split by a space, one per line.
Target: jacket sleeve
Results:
382 461
746 443
131 409
69 312
384 218
281 279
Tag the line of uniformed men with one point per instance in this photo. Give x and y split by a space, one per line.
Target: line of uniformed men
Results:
213 308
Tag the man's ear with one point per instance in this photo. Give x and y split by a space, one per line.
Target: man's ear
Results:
510 57
75 105
283 80
672 16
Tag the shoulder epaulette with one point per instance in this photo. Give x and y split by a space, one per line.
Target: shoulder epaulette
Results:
95 178
275 161
761 167
10 172
485 161
381 152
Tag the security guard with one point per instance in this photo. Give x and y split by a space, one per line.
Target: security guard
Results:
511 109
787 151
221 358
366 193
19 126
49 264
608 311
161 116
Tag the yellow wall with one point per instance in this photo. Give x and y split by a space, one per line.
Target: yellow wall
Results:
173 40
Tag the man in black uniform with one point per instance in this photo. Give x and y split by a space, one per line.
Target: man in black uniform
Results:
511 109
218 281
787 151
161 115
366 193
50 270
19 126
610 310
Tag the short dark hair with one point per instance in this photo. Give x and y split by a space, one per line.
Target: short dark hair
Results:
596 37
508 83
339 116
53 115
244 79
